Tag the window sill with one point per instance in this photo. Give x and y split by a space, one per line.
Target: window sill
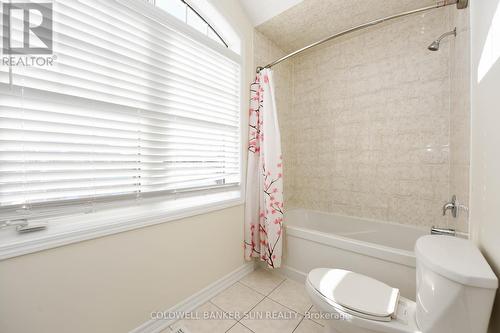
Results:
76 228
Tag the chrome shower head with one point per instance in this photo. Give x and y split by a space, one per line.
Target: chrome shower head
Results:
435 44
462 4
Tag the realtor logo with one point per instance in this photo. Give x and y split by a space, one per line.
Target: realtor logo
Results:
27 28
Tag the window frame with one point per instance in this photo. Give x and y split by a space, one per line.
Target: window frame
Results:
191 8
72 228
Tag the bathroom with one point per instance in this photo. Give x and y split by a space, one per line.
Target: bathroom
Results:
132 197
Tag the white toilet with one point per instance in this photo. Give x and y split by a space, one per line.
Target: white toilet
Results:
455 293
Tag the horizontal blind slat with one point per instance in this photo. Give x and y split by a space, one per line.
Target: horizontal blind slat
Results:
132 107
45 167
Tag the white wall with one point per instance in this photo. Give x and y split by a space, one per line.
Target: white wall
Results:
262 10
111 284
485 131
460 80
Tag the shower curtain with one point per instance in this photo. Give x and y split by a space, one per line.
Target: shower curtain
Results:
264 187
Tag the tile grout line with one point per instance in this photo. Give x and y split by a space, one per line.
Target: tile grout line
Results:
248 328
269 298
243 317
320 324
286 306
300 322
230 328
279 284
265 296
236 321
258 292
303 318
246 312
272 300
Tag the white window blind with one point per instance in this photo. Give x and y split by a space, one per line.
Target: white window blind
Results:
131 108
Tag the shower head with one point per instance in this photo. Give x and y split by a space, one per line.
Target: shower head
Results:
435 44
462 4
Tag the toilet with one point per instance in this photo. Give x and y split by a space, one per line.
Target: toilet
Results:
455 292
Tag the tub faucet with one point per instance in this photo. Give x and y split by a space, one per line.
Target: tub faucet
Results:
443 231
453 206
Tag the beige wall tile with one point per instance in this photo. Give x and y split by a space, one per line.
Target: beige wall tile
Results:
373 123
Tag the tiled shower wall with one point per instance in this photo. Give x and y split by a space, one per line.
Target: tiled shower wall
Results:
265 52
366 122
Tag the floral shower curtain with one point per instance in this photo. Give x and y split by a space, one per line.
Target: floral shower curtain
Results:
264 187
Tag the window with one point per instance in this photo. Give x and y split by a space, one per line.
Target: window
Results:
186 13
133 107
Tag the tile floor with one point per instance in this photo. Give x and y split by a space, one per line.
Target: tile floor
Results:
261 302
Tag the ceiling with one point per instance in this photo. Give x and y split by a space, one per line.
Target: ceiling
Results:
259 11
312 20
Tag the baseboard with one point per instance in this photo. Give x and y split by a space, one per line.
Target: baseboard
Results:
194 301
292 273
286 271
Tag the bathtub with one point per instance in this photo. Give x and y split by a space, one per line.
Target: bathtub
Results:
378 249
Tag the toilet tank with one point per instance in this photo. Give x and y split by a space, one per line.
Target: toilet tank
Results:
455 286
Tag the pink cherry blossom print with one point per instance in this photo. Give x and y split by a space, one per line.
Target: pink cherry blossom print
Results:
264 185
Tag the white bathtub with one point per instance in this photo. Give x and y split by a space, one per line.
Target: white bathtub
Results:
378 249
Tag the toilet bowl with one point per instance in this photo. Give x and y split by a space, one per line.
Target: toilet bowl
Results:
359 316
455 293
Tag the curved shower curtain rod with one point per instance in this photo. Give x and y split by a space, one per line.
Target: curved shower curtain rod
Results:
461 4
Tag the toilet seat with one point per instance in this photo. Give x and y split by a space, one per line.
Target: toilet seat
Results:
355 294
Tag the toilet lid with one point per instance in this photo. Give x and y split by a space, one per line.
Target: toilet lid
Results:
356 292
